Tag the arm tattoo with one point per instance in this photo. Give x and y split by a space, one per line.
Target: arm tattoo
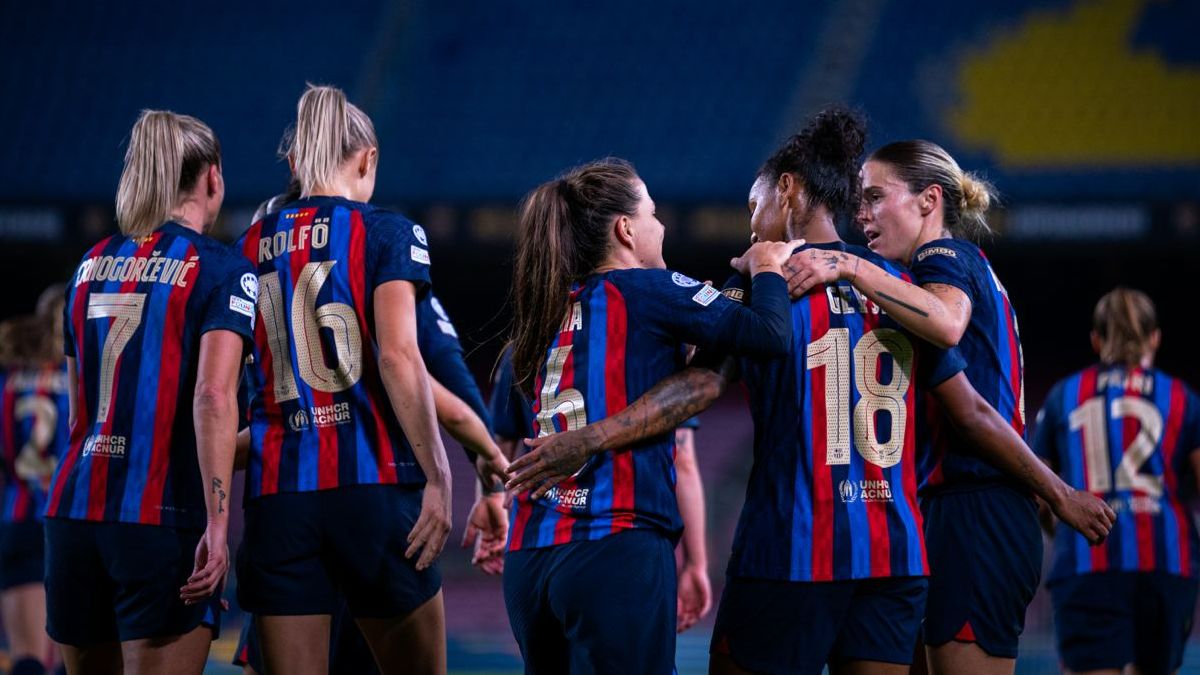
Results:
831 260
903 304
667 405
219 491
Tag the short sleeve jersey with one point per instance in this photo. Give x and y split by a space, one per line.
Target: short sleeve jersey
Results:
838 433
320 417
621 335
33 435
1126 435
991 347
135 313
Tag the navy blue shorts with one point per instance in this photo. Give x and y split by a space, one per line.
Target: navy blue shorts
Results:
303 551
1111 619
604 606
22 554
774 626
985 563
348 649
109 582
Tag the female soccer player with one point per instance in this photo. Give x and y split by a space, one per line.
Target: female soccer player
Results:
512 420
348 482
598 321
33 431
828 564
156 321
460 409
1129 432
985 549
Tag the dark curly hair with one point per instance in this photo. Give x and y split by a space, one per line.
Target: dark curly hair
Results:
825 157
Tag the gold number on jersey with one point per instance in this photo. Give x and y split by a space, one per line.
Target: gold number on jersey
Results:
1089 417
307 320
832 352
568 402
33 464
125 309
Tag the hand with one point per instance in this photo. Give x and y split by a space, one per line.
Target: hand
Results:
764 256
432 529
492 470
212 564
487 530
694 599
810 268
550 460
1086 513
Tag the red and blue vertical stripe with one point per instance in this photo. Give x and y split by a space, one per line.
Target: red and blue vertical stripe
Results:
1153 532
807 520
145 484
294 448
991 346
610 363
24 499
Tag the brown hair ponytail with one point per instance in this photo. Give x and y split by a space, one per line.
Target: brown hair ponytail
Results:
562 237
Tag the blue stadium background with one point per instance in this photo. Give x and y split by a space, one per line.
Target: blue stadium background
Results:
1085 113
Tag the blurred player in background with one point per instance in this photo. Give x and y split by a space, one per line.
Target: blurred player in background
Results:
157 320
921 209
1129 432
832 494
599 321
33 432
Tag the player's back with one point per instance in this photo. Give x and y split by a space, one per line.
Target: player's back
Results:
1126 434
135 312
832 494
991 347
602 358
621 335
320 416
33 434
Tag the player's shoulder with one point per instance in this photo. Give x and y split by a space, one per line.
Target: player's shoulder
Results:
387 225
664 283
217 254
1172 382
949 250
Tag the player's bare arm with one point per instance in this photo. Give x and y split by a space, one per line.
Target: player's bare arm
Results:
939 313
554 458
407 382
1001 446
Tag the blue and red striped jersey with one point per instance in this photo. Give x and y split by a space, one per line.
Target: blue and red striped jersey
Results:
33 435
135 312
621 336
838 433
1126 435
991 347
320 417
512 413
443 355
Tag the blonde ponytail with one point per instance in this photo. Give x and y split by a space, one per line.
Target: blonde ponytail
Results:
1124 319
977 195
165 156
329 129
